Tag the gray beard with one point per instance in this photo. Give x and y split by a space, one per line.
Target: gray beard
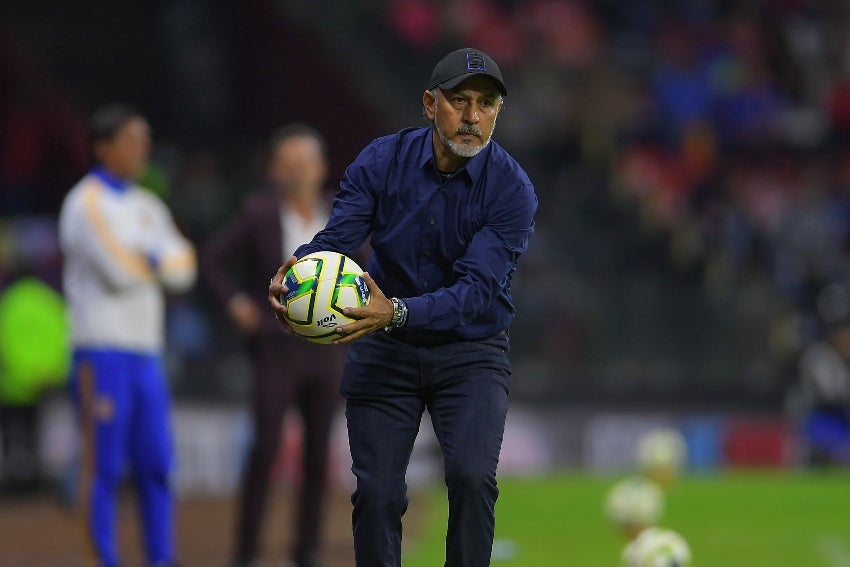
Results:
464 151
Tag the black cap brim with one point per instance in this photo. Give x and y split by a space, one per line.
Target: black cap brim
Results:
455 81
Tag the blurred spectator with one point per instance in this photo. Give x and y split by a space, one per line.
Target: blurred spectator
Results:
122 253
288 372
821 399
681 83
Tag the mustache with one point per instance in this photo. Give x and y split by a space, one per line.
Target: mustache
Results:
469 129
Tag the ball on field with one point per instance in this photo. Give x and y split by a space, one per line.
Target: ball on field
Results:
657 547
634 503
320 286
662 454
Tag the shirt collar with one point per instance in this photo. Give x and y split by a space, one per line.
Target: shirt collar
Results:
111 180
473 166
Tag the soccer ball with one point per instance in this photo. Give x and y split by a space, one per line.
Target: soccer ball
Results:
662 454
634 503
657 547
320 286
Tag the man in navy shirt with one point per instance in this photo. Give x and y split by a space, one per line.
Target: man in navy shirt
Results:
449 212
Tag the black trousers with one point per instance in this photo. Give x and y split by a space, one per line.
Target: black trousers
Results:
289 372
464 386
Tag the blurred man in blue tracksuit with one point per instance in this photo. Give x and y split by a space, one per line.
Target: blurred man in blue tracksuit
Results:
122 250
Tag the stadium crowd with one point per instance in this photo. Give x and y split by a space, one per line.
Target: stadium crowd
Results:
691 160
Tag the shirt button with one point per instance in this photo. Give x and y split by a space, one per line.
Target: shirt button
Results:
425 283
432 221
427 252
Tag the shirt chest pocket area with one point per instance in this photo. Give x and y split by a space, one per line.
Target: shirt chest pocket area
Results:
459 227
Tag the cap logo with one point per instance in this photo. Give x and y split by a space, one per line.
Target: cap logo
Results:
475 63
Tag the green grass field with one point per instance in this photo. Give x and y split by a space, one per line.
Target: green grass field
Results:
753 519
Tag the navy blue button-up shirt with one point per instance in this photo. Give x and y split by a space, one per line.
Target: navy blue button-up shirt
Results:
447 248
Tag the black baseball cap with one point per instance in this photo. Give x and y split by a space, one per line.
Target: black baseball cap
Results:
459 65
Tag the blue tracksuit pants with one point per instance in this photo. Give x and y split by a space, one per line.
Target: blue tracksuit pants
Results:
123 405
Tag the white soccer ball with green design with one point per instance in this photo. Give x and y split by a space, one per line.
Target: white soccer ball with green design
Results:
634 503
657 547
320 286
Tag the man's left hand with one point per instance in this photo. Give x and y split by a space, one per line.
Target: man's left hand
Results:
371 318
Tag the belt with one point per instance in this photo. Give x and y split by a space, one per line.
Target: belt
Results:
439 338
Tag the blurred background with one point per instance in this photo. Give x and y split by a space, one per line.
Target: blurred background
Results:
691 159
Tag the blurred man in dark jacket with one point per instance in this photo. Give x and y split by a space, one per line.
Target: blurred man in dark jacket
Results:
288 371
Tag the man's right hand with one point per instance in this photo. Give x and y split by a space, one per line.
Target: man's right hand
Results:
277 290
